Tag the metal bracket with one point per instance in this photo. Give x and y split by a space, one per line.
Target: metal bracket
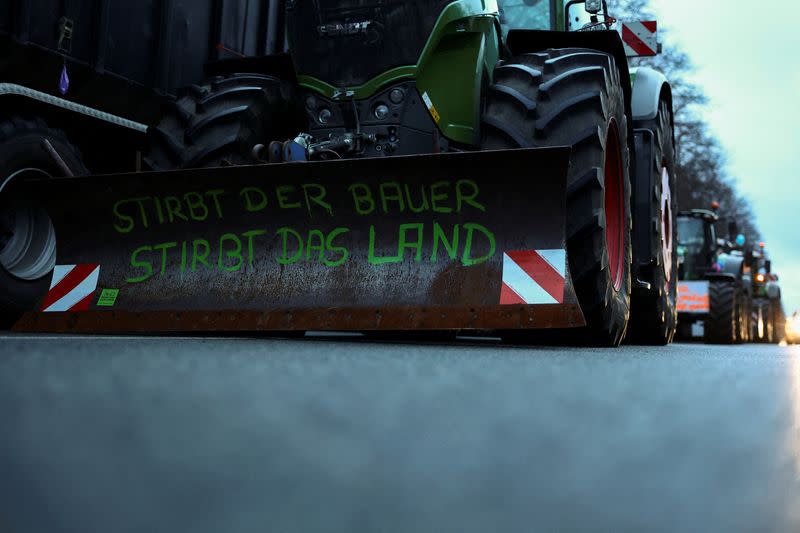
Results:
65 28
57 159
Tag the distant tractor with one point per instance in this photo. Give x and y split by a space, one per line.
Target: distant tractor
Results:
713 287
767 310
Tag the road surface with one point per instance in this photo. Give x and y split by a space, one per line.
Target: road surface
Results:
239 435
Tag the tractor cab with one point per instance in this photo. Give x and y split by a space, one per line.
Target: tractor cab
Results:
761 270
697 243
518 14
555 15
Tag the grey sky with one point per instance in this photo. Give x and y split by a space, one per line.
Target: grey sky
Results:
747 56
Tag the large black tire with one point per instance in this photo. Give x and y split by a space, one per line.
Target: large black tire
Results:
574 97
722 320
654 312
27 240
770 323
744 318
218 122
762 313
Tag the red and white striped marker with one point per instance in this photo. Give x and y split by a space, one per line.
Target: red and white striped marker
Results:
534 277
72 288
640 38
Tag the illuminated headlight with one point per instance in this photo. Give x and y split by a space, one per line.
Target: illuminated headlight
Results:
761 278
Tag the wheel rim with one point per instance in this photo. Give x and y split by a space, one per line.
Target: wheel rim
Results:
614 206
666 223
28 246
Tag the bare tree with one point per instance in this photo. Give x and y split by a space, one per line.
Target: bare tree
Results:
701 161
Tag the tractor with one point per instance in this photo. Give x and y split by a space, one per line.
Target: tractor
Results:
726 292
460 165
768 320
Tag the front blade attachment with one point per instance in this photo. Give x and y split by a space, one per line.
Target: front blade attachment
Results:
466 241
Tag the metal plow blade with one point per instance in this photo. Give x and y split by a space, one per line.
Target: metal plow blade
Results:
467 241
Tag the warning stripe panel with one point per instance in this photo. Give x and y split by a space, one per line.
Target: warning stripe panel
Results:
542 272
634 43
533 277
523 284
640 38
71 288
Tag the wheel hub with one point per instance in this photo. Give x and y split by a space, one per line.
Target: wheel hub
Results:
27 237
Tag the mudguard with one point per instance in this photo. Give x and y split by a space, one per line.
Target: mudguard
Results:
466 241
773 291
649 87
732 266
642 200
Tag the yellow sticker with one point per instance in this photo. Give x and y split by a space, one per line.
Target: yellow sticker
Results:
431 107
435 114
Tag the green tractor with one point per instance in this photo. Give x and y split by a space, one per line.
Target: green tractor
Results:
768 318
522 114
727 291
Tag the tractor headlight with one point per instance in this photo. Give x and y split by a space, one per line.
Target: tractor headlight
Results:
594 6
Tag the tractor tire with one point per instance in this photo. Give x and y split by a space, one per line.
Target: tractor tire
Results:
218 123
574 97
743 319
654 312
772 338
722 320
27 239
778 322
763 323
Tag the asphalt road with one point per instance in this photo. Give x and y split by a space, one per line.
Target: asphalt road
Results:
228 435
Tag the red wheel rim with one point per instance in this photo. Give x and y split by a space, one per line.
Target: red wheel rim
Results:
614 205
